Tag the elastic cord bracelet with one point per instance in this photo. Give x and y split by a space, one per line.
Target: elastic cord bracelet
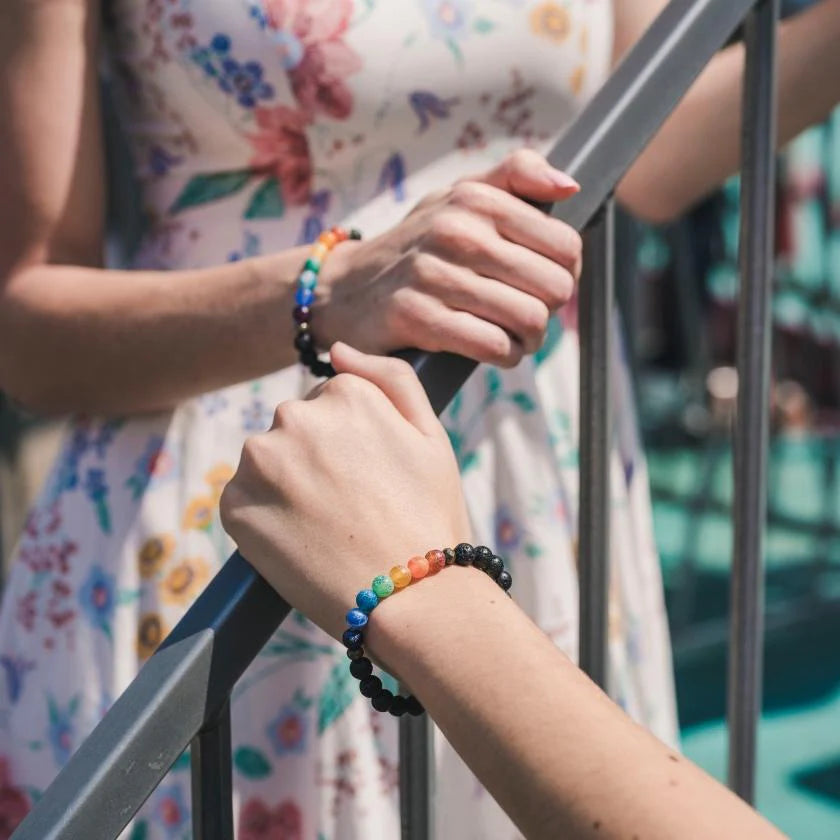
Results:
305 296
382 699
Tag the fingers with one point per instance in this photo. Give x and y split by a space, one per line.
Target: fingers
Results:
528 174
394 378
521 223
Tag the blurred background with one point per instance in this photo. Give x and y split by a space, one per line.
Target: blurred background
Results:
677 288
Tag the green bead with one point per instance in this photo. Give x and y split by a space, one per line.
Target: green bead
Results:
382 585
312 265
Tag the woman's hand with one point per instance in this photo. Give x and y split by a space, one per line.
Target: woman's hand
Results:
473 269
346 484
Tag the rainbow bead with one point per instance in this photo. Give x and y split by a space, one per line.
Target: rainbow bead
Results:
437 561
382 585
419 567
401 577
366 599
357 618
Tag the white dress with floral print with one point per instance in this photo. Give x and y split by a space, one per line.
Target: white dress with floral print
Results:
254 124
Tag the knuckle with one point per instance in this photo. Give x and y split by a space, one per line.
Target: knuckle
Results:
467 194
286 415
344 385
562 289
425 267
534 322
451 231
523 159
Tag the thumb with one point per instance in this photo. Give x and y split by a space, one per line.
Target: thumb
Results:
395 378
527 174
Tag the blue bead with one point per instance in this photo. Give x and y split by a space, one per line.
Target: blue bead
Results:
357 618
366 600
351 638
308 279
303 296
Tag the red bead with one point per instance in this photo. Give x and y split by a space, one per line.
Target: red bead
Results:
437 561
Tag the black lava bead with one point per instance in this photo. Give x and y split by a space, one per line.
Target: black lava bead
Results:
449 554
504 579
494 568
398 706
370 686
355 653
414 706
303 340
355 234
361 668
382 701
308 357
464 554
481 557
323 369
351 638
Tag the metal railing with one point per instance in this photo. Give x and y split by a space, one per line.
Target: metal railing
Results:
181 696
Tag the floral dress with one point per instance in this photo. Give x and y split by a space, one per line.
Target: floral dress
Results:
254 124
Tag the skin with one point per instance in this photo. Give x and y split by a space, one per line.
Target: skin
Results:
555 752
465 271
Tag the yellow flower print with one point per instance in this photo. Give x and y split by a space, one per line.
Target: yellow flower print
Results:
154 553
552 21
150 634
185 581
217 478
199 513
577 79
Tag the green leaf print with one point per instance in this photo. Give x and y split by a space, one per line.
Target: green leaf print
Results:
455 50
552 338
140 831
337 695
202 189
469 461
523 401
483 25
267 201
251 763
493 382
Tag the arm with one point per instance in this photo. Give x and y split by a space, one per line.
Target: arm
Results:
75 337
698 147
560 757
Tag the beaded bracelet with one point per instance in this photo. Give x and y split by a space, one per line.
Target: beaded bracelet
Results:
398 578
305 295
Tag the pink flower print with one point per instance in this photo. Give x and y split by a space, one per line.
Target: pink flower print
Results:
282 148
308 33
259 822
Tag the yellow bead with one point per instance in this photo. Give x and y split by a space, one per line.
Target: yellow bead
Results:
328 238
401 577
319 251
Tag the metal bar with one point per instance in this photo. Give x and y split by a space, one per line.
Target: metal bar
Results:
183 685
416 778
595 329
751 426
212 789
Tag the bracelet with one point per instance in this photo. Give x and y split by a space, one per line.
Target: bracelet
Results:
305 295
370 686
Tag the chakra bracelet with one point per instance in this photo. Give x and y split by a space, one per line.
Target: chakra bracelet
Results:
382 699
305 295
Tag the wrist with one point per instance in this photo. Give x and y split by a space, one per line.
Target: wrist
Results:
329 315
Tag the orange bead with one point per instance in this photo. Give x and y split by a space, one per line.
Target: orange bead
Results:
328 238
419 567
437 561
319 251
401 577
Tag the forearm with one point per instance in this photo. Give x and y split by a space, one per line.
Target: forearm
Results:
699 145
555 752
101 341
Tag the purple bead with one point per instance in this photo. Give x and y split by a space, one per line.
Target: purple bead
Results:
357 618
303 297
301 314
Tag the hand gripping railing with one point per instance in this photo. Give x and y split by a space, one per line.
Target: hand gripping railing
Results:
181 695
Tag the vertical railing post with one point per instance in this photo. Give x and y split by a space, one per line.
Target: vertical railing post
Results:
212 792
751 428
416 769
595 329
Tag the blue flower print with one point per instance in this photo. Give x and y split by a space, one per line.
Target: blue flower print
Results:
256 417
61 729
160 161
97 491
427 105
507 529
171 811
97 598
448 19
287 732
244 80
393 176
15 669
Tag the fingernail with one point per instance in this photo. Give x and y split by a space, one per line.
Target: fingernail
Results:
562 180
